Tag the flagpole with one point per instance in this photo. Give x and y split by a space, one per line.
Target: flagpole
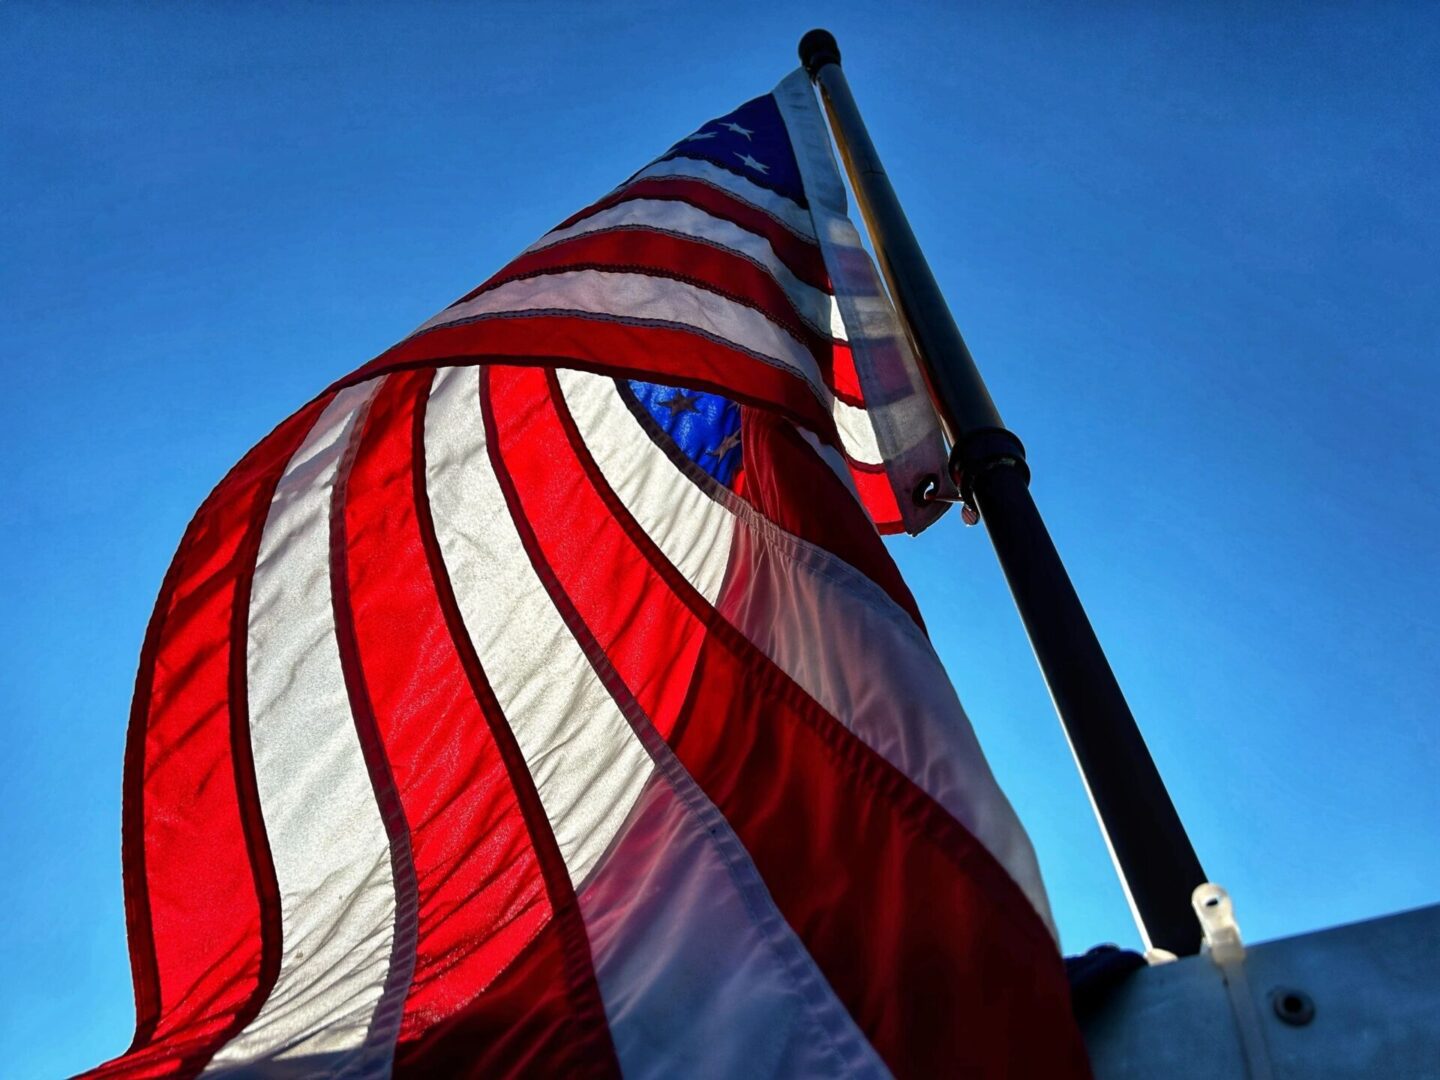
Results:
1153 856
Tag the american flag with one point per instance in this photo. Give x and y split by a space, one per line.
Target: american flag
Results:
541 698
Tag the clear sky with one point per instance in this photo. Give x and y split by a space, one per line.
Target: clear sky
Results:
1194 248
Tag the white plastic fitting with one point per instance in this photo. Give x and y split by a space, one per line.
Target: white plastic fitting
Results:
1217 922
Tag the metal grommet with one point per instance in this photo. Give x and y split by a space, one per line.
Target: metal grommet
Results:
1294 1007
927 490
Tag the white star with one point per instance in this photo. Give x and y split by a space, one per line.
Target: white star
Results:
680 403
730 442
747 132
699 135
748 160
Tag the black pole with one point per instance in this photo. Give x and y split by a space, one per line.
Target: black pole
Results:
1153 855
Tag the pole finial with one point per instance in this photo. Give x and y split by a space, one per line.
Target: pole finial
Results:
818 48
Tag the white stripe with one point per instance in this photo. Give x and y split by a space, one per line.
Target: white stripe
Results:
683 521
700 973
834 461
587 765
330 848
857 433
645 297
819 309
815 306
874 671
871 668
787 212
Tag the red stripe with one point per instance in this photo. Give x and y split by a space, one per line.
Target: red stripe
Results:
609 347
933 949
927 941
706 266
367 729
799 253
845 380
204 946
481 836
596 563
481 894
779 464
516 1028
635 250
878 497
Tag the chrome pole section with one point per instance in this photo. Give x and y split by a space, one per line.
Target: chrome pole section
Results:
1153 855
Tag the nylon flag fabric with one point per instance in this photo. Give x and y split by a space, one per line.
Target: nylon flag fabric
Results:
541 700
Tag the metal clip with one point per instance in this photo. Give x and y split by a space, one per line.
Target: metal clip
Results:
929 492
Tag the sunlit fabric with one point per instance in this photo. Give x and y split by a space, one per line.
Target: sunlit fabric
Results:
542 700
704 427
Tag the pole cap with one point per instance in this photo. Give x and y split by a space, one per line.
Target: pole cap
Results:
818 48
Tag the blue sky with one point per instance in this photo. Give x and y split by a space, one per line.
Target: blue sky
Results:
1192 247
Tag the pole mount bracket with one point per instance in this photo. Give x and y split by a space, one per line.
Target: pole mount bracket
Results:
976 453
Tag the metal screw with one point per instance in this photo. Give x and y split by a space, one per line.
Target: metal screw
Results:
1295 1007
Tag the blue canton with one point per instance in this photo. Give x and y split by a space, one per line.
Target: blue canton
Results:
705 427
751 142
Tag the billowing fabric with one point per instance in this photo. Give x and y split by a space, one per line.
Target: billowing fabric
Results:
541 699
